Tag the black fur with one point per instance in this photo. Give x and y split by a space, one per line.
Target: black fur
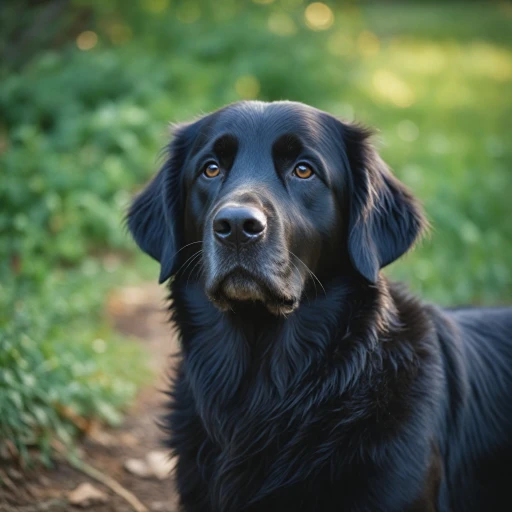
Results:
336 391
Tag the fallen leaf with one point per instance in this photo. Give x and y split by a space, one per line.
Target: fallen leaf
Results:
161 506
160 463
128 439
138 468
86 495
103 438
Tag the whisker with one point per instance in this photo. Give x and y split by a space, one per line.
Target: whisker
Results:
196 256
297 269
313 281
310 271
198 262
188 260
185 246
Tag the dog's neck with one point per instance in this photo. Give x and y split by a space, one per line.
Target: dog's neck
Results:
226 351
248 371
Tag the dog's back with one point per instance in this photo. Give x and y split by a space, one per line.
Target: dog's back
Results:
477 451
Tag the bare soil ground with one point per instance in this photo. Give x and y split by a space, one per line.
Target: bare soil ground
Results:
139 312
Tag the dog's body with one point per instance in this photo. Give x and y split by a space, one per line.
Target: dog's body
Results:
332 392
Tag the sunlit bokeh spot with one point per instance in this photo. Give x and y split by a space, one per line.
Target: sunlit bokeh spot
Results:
340 44
119 33
407 130
439 143
425 57
392 88
99 346
318 16
368 43
156 6
469 232
424 269
489 61
87 40
414 175
247 87
454 93
281 24
188 12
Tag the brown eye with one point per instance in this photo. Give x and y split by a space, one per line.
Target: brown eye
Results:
211 170
303 171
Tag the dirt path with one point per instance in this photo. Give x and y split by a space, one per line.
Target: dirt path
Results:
138 312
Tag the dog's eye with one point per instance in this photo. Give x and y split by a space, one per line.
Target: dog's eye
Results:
211 170
303 171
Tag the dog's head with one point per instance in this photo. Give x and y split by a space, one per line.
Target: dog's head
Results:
261 196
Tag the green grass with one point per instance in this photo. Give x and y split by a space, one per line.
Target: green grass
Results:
80 132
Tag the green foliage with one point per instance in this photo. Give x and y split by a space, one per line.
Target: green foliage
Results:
60 360
80 130
58 366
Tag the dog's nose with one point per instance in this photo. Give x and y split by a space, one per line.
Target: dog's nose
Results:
235 225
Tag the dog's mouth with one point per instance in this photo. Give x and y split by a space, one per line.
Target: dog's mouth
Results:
241 285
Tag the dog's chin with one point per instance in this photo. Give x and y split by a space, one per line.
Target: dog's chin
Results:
239 287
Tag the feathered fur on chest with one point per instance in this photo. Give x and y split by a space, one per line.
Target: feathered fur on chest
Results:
279 398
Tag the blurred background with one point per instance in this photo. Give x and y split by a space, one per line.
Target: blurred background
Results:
87 90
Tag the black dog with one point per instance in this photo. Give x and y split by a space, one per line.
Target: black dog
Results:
308 382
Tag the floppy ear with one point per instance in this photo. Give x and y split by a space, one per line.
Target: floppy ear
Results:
384 217
155 216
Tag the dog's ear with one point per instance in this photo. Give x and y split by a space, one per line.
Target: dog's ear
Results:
384 217
155 216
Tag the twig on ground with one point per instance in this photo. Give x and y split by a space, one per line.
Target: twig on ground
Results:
102 478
